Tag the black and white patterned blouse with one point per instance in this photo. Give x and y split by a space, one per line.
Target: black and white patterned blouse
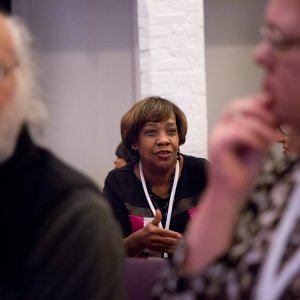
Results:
235 275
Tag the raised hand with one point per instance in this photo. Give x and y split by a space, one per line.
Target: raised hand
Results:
236 148
152 237
238 143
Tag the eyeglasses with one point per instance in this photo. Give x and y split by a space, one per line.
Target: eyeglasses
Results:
4 71
285 129
276 39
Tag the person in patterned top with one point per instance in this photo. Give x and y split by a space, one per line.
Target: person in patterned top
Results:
245 242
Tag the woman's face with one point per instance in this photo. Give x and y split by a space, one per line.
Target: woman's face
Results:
158 144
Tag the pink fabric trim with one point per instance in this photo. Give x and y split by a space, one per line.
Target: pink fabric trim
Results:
192 212
137 223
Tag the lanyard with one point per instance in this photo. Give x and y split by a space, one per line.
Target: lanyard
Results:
172 196
272 282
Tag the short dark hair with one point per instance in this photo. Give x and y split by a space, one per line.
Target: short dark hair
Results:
123 152
5 7
150 109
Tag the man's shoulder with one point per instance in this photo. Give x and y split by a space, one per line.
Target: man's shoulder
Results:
58 170
57 180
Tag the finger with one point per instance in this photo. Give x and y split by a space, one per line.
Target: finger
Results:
168 233
241 130
163 245
157 218
163 248
256 129
166 241
255 106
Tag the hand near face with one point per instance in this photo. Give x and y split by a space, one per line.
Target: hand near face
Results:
239 142
237 146
155 238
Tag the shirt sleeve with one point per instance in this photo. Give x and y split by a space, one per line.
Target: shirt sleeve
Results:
114 193
79 253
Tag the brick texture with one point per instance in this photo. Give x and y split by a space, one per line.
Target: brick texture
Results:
172 61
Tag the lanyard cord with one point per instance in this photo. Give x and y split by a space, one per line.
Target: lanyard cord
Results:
270 285
172 196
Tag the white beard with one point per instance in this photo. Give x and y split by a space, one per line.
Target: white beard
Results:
12 117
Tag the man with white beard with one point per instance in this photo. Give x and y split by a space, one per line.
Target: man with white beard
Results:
58 240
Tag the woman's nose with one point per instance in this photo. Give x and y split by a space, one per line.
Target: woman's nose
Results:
163 138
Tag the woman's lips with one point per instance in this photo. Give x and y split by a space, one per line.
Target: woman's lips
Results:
164 154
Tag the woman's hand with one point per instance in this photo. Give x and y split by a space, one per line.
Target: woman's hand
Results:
153 238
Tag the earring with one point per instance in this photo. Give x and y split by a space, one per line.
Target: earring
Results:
178 154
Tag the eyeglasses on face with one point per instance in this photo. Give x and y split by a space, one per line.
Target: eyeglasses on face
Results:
285 129
276 39
4 72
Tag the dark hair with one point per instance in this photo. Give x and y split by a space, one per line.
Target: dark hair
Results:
150 109
5 7
122 152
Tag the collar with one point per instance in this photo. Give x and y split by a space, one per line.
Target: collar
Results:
24 152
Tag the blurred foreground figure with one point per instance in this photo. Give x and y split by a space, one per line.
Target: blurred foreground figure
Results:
58 240
241 246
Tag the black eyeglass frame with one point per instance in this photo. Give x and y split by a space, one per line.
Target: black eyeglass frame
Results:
5 71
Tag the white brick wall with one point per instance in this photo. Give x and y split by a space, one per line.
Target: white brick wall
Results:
171 60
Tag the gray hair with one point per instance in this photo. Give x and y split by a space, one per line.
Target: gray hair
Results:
27 79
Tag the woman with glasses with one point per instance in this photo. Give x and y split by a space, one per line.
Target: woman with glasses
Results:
154 196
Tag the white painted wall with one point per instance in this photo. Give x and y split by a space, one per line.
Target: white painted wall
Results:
90 57
87 62
231 32
171 44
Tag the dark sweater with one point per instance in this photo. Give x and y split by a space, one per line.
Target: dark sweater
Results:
57 237
126 195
